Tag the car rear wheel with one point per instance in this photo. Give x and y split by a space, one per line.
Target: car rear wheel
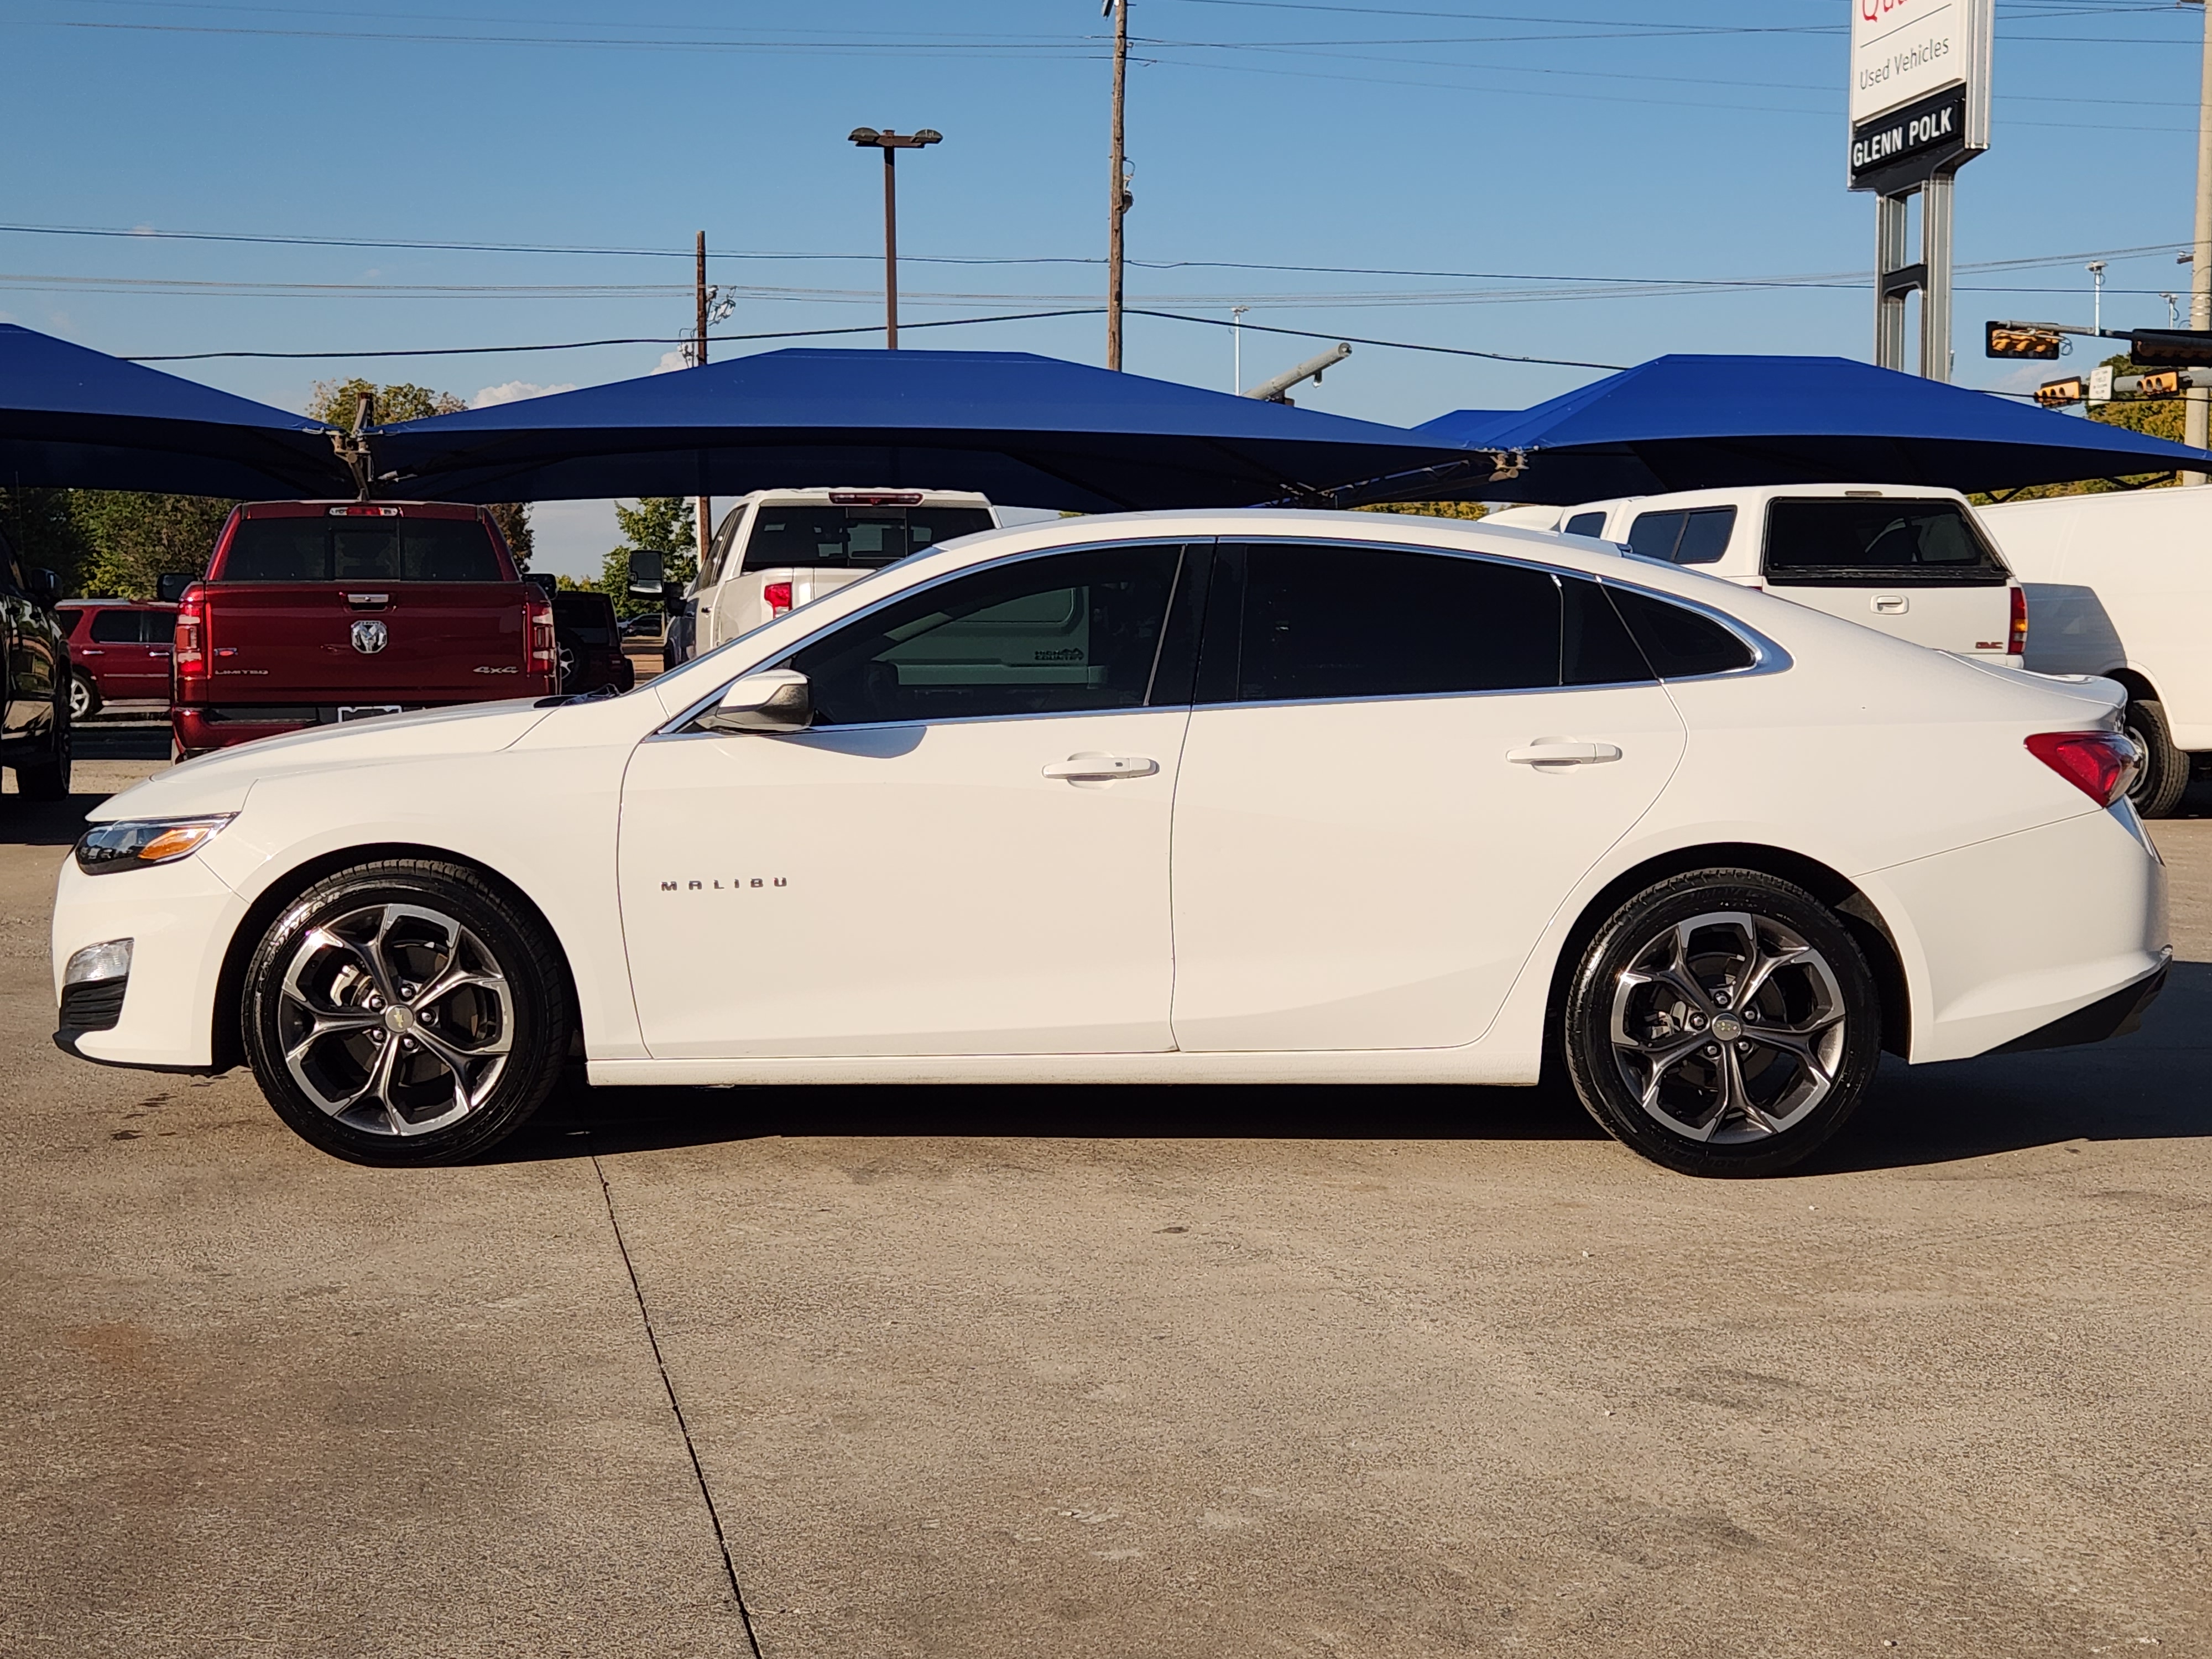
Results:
84 695
2160 784
49 779
406 1012
1722 1023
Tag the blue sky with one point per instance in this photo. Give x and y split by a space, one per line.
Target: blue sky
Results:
1557 161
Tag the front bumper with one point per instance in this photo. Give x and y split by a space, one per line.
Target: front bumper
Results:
182 917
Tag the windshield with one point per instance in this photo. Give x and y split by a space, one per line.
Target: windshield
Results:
853 537
1877 539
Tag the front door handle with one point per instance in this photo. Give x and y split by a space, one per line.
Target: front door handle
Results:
1563 754
1099 769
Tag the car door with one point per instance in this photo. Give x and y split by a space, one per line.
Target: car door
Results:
966 854
1400 763
113 651
20 702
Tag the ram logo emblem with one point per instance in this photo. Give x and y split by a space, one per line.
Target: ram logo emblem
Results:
370 637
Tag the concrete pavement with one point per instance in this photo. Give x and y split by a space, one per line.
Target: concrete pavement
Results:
1114 1371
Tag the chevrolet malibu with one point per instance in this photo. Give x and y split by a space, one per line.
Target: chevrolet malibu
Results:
1247 797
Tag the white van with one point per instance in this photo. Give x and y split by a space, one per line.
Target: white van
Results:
2120 584
1909 561
777 549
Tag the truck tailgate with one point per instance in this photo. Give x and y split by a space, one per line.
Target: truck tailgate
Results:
351 642
1974 618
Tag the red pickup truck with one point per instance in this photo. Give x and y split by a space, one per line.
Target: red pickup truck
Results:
313 612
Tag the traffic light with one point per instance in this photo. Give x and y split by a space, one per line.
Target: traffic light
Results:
2172 348
2057 394
2022 340
2163 385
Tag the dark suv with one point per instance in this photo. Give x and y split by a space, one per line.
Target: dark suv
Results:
34 679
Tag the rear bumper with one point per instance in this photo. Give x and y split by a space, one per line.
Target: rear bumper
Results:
2108 1016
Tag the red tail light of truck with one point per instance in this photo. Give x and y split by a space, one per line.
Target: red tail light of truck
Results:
778 595
188 648
2016 641
544 653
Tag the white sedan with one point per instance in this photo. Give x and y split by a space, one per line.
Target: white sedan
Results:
1167 797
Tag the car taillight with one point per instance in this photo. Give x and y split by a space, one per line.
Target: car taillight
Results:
544 653
2016 641
778 595
188 652
2101 764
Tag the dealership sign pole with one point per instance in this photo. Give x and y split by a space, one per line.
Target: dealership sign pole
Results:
1919 110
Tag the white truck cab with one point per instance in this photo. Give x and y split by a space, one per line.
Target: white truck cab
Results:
777 549
1910 560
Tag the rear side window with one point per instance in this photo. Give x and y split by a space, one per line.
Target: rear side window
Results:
1064 634
361 549
1680 644
1310 622
1889 539
119 626
855 538
1585 524
589 622
1697 535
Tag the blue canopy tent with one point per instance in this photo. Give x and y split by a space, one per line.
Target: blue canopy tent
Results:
1700 422
1024 429
72 418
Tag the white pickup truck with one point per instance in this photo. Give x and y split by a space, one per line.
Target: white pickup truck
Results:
1909 561
2120 584
777 549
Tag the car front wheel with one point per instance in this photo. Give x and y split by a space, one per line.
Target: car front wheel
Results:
406 1011
1722 1023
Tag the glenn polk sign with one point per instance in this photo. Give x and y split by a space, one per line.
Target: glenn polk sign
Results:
1920 88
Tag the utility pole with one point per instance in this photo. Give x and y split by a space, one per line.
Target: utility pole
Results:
1237 347
891 144
2196 413
2096 269
704 506
1118 198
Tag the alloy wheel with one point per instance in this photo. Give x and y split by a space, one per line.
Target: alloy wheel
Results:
395 1019
1728 1027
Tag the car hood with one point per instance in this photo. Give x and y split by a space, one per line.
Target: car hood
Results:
220 782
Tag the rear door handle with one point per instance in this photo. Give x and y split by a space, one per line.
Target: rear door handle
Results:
1098 769
1889 605
1563 754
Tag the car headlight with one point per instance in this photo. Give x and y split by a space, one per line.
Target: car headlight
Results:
134 843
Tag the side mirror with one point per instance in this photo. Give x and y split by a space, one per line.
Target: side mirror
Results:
773 700
645 577
170 584
44 584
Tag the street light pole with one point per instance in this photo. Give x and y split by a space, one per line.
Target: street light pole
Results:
2196 413
2096 269
702 514
891 144
1118 197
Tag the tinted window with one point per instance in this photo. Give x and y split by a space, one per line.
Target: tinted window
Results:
1698 535
1323 620
1064 634
588 620
1586 524
1885 539
117 627
863 537
361 549
1596 647
1680 644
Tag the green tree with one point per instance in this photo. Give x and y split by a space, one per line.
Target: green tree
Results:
42 524
1431 509
2156 417
133 540
658 524
335 403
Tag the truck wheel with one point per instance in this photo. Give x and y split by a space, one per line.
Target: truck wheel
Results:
406 1011
84 695
2159 787
49 779
1722 1023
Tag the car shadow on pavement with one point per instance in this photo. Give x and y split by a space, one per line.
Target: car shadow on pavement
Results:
45 823
2148 1085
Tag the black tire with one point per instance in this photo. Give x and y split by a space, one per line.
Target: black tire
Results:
49 779
84 695
1787 1071
423 1110
2158 789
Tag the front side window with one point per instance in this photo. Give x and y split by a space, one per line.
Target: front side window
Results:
1065 632
1318 621
853 537
1697 535
1876 539
300 550
117 627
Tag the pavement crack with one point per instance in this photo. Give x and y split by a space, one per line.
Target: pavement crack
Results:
675 1408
